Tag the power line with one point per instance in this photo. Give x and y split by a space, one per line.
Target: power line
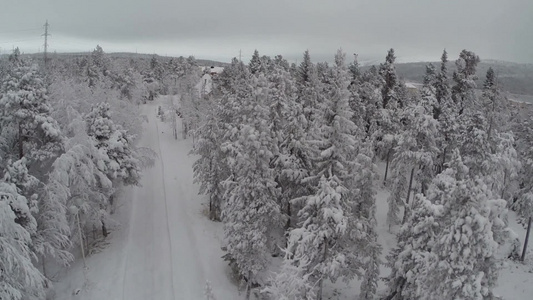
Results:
22 30
31 39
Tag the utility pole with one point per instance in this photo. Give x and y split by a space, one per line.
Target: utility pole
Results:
46 34
240 54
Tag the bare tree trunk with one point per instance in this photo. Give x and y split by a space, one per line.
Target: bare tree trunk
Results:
104 229
443 160
387 166
81 241
408 195
249 286
21 143
504 182
175 125
527 240
320 283
289 213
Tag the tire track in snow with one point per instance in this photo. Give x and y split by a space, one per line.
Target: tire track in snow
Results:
127 246
166 210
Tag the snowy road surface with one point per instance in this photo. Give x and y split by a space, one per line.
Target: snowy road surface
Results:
166 248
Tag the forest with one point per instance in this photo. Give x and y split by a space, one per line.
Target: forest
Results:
69 127
287 155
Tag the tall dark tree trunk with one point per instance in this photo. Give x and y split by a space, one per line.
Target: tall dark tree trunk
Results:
387 166
21 142
43 262
289 214
524 251
104 229
321 282
443 159
408 195
249 286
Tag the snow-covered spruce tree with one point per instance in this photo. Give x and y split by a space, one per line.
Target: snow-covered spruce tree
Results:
222 115
251 211
78 188
209 169
494 104
464 78
415 153
388 72
522 126
329 228
442 87
464 265
308 91
446 114
116 143
16 172
447 247
255 65
292 282
369 93
387 120
365 215
504 164
19 278
357 103
292 151
24 104
408 260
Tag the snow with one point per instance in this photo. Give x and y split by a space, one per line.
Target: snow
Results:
166 248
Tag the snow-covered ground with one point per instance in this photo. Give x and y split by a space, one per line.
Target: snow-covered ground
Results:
166 248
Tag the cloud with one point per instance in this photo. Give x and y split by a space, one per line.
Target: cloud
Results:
220 28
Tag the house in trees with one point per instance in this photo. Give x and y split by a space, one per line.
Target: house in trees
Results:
206 82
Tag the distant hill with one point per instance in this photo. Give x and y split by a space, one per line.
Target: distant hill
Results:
123 55
514 78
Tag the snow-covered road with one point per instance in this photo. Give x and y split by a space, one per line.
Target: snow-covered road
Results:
166 249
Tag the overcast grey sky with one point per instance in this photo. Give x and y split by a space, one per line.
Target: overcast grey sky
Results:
418 30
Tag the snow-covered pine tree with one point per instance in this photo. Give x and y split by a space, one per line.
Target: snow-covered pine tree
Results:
291 151
388 72
369 93
387 118
464 265
292 281
251 211
442 87
76 188
223 115
446 114
210 168
308 91
447 247
24 104
327 232
464 77
416 150
19 278
408 260
364 210
255 65
116 143
522 127
495 104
